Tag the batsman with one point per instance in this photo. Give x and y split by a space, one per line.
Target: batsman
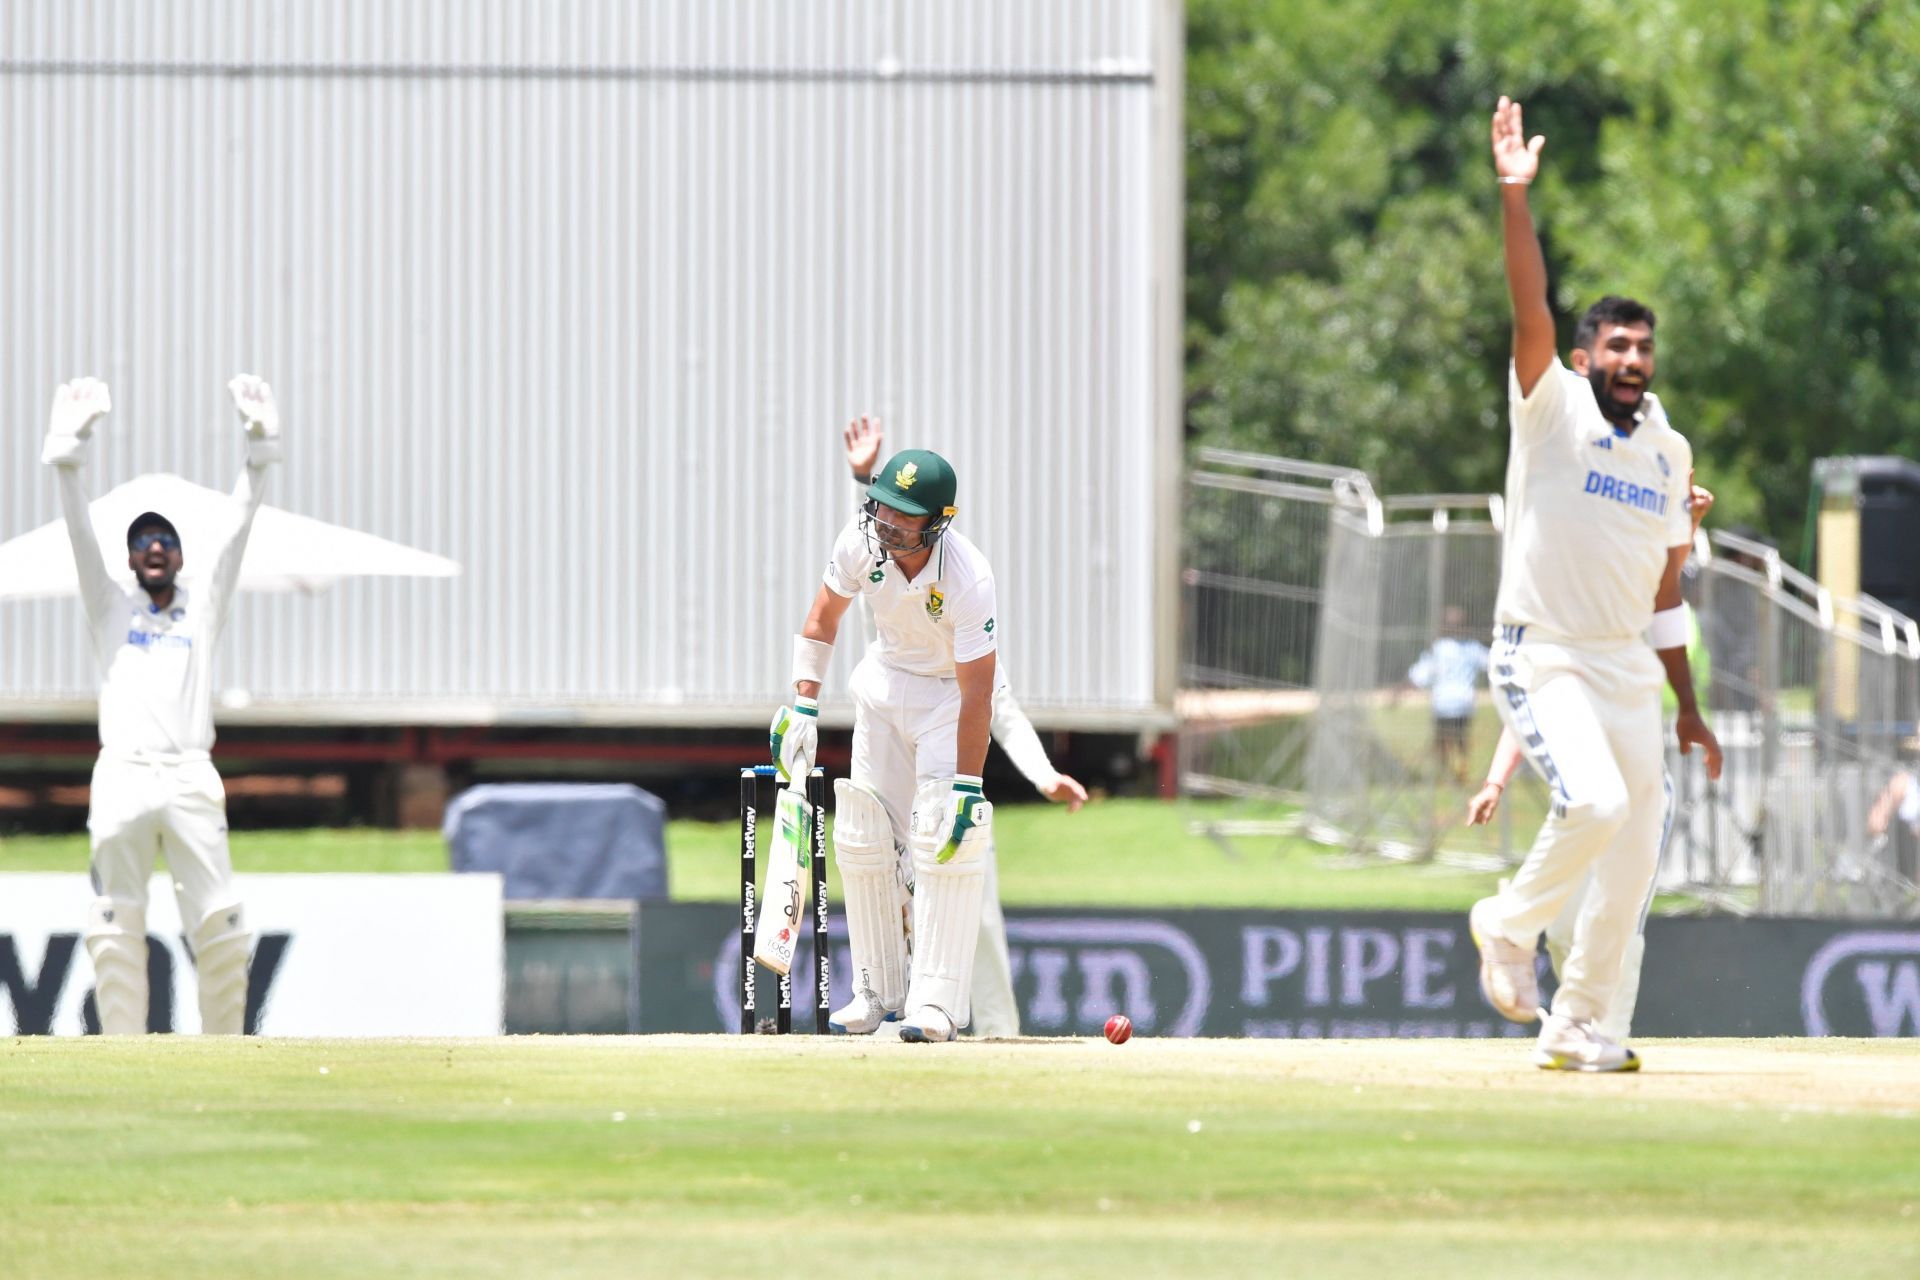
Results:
923 704
154 786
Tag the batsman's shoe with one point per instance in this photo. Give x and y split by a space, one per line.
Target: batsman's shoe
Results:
861 1016
1506 968
928 1025
1575 1044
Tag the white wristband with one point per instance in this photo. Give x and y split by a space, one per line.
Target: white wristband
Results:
810 659
1669 629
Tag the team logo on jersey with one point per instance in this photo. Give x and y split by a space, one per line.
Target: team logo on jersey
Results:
178 614
905 476
1665 470
988 628
876 575
936 604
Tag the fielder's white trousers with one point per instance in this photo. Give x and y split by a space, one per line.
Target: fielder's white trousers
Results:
1588 720
904 734
142 808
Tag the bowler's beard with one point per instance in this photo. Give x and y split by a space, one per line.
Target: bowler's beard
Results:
1611 409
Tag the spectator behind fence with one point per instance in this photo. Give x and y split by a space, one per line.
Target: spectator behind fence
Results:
1900 798
1450 670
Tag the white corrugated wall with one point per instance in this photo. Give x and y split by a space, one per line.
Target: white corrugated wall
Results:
580 295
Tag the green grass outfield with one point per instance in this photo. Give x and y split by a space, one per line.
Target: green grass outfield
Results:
695 1156
1124 853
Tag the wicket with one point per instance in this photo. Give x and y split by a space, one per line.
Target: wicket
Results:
750 777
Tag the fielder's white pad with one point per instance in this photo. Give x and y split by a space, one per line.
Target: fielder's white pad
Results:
870 881
789 875
946 907
117 941
222 945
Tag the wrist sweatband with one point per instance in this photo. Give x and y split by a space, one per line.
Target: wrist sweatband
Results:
1669 629
810 659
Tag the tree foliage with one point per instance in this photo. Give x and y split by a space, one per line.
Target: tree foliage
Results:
1749 169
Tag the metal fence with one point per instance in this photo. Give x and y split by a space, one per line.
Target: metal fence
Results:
1382 775
1815 702
1251 597
1310 600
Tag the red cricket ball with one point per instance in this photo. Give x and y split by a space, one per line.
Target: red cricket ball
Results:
1119 1028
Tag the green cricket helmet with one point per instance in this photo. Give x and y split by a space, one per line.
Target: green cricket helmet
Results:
915 482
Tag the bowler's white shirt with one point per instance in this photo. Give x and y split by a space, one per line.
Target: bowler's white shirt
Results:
943 617
1590 512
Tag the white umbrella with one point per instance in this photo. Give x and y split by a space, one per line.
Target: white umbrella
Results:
287 552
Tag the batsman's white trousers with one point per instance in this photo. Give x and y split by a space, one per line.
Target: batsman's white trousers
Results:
142 808
1588 720
904 728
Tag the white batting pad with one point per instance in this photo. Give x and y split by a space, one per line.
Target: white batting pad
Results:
946 907
870 881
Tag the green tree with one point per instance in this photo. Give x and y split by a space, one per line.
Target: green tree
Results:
1752 171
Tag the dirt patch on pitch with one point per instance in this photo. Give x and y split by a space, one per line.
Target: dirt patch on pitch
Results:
1806 1075
1828 1076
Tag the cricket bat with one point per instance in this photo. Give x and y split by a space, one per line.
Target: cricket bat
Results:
789 876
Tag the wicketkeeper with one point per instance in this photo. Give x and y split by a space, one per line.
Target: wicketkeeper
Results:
154 787
923 702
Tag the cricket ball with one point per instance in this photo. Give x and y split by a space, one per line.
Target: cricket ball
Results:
1119 1028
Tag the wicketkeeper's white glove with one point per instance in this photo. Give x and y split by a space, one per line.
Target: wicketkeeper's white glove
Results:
77 405
254 399
795 739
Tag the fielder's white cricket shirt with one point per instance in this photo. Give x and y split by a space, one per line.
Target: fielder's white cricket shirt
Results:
156 689
943 617
1590 512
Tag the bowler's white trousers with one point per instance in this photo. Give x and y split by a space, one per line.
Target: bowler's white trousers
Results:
1588 720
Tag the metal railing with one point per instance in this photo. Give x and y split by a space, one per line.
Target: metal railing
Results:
1309 601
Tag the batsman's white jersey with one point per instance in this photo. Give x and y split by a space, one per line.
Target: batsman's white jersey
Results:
906 696
923 627
1591 512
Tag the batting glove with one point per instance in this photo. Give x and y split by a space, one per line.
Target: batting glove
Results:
254 399
795 739
77 405
970 812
